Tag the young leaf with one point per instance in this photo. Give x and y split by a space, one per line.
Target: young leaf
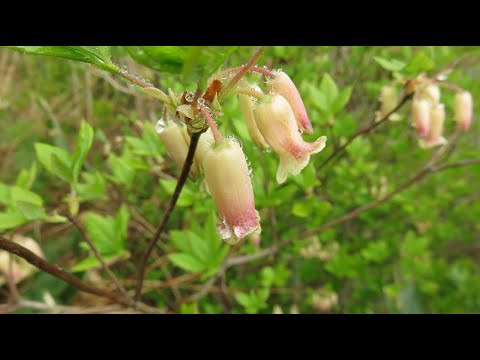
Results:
26 177
390 65
102 231
84 142
31 211
96 55
55 160
187 262
11 219
93 187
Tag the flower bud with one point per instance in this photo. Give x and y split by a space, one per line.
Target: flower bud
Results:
228 179
388 100
246 104
20 269
421 117
463 109
276 122
283 85
176 140
437 118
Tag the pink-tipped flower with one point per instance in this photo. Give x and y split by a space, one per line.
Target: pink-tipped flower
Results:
246 104
228 180
176 140
437 118
283 85
421 117
463 109
276 122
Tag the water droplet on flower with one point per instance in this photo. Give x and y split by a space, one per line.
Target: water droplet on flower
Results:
160 126
223 229
189 96
200 102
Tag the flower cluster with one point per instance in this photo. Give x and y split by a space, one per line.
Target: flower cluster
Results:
275 120
428 112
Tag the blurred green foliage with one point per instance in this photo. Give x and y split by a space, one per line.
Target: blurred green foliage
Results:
72 139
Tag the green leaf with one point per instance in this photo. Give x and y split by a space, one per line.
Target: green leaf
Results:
31 211
420 63
26 177
187 262
55 160
243 299
11 219
18 194
96 55
329 88
103 232
122 172
301 209
93 187
376 252
84 142
341 100
390 65
121 224
197 62
93 262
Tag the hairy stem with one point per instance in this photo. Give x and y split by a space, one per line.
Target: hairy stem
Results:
242 71
212 125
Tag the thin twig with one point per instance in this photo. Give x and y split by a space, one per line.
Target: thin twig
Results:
112 81
363 131
56 270
247 67
105 267
178 189
428 168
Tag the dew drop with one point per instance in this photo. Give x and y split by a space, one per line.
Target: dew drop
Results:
223 229
189 96
160 126
200 102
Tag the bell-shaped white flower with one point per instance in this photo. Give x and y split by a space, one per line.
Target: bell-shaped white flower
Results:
283 85
276 121
228 179
463 109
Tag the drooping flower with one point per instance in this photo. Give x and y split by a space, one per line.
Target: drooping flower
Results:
421 117
276 121
246 104
437 118
388 101
176 140
283 85
463 109
228 180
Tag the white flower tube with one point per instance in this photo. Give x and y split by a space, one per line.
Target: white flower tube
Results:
276 122
283 85
246 104
228 179
463 109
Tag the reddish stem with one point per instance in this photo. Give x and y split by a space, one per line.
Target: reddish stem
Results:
213 126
